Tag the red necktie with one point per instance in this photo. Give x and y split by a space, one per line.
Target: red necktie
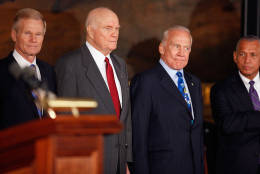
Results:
112 87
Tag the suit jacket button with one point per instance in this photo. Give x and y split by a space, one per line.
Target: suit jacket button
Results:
126 145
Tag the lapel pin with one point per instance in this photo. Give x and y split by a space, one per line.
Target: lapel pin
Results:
192 84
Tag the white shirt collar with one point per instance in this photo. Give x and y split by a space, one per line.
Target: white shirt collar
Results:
246 81
99 59
170 71
22 62
96 53
256 79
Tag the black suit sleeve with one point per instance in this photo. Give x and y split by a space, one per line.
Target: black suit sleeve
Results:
141 103
230 114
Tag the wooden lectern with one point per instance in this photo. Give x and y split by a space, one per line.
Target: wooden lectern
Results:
65 145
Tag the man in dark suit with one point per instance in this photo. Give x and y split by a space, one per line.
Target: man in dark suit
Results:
16 101
235 106
167 112
94 72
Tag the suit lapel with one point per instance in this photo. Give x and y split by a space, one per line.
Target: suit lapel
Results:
96 79
124 86
240 90
170 86
42 71
193 90
24 89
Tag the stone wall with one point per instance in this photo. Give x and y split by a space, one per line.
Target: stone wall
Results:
215 27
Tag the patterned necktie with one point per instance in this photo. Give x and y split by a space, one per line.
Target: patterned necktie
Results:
254 96
33 68
183 90
39 108
112 87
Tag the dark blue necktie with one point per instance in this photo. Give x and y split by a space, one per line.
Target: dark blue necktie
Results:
183 90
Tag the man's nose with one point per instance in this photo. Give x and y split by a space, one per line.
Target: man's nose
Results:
181 51
247 58
33 38
115 33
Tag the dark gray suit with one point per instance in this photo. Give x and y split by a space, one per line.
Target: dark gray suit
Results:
79 76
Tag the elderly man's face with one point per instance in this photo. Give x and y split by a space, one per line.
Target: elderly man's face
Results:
176 49
28 38
104 33
247 58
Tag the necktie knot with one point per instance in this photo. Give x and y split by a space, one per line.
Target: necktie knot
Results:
106 60
179 74
33 69
251 83
32 66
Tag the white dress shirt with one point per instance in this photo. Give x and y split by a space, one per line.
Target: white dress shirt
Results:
174 77
22 62
246 81
99 58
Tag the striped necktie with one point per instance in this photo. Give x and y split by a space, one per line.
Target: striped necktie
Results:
254 96
39 108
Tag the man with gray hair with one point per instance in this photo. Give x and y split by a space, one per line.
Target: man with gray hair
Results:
167 111
236 110
16 98
94 72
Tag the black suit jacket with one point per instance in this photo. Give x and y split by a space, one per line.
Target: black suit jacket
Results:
238 127
164 140
16 101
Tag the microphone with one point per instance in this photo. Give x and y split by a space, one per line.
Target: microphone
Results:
27 75
39 88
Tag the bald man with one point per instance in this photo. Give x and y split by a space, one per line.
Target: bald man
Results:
94 72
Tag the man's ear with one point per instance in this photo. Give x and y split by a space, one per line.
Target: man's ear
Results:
161 49
90 32
235 56
13 35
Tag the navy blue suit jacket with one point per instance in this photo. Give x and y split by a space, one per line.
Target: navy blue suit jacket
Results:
164 140
16 101
238 127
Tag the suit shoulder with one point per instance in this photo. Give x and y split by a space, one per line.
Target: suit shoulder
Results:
192 76
43 63
70 57
224 84
4 61
147 76
4 64
119 59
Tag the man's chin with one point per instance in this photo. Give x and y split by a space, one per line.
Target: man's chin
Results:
112 48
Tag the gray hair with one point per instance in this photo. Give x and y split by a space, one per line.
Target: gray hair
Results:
28 13
249 38
176 27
